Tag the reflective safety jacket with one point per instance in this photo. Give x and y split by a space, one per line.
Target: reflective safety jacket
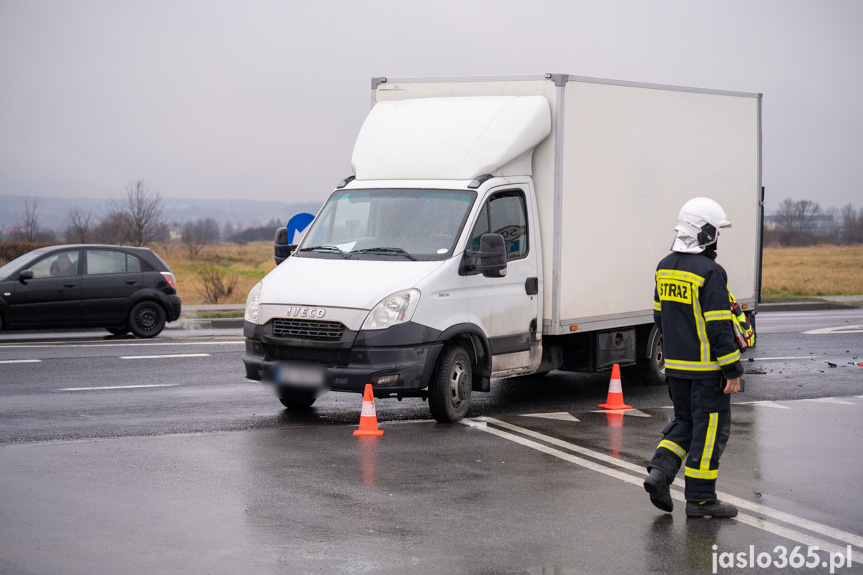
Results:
691 309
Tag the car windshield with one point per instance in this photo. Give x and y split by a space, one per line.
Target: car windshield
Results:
397 224
12 266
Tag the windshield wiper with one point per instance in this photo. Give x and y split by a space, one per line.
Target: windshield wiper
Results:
398 251
326 249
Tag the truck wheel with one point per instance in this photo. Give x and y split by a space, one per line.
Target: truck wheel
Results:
147 319
297 399
449 390
652 369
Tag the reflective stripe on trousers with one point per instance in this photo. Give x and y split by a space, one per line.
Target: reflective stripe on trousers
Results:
698 435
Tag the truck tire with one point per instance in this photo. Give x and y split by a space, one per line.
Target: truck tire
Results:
449 390
147 319
652 369
297 399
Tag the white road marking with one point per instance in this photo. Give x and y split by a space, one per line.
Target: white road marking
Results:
632 412
560 416
62 345
164 356
830 400
21 361
118 387
837 329
677 493
775 358
772 404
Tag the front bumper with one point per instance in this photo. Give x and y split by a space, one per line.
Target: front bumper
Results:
346 368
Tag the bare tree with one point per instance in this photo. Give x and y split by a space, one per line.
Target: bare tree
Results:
852 224
216 284
227 230
113 229
198 234
28 220
797 217
142 208
79 229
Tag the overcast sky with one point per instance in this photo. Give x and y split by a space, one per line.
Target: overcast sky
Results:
263 99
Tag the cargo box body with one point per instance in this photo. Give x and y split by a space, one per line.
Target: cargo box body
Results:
621 160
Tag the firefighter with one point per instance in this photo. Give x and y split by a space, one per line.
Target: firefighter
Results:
702 362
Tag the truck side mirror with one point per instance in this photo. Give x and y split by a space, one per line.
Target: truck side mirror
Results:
491 257
25 275
281 248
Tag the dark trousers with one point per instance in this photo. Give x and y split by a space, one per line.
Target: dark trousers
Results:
701 426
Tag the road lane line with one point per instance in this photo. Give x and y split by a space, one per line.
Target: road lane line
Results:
118 387
743 503
165 356
21 361
774 358
42 345
832 400
847 328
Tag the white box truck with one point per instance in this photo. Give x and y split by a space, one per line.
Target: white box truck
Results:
500 227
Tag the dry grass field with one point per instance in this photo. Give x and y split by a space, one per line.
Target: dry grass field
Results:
797 273
788 273
248 263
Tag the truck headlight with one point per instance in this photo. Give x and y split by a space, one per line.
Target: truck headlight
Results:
252 303
393 309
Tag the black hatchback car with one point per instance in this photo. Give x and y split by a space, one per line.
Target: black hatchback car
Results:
124 289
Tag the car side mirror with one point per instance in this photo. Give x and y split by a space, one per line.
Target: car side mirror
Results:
281 248
490 260
25 275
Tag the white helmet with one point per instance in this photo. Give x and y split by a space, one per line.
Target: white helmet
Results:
700 219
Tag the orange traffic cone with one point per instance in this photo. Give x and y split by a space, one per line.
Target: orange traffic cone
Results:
368 417
615 392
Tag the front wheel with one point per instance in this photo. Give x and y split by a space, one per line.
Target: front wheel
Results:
147 319
449 390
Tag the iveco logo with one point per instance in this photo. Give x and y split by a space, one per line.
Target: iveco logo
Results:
312 312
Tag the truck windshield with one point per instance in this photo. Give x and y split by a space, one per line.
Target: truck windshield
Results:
398 224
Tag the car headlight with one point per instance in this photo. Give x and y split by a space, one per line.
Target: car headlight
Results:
393 309
252 303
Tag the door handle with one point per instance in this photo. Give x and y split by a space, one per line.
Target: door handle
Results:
69 285
531 286
131 283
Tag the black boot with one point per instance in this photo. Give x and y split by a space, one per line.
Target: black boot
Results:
656 485
714 508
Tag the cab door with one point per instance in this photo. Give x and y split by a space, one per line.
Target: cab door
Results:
53 295
507 307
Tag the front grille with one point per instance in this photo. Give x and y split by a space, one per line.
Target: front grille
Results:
305 329
332 357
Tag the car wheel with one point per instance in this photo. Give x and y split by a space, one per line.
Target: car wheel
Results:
449 390
652 369
118 330
297 399
147 319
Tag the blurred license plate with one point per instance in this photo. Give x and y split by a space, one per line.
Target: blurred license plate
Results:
304 376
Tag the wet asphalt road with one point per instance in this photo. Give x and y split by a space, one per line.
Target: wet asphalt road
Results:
207 473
